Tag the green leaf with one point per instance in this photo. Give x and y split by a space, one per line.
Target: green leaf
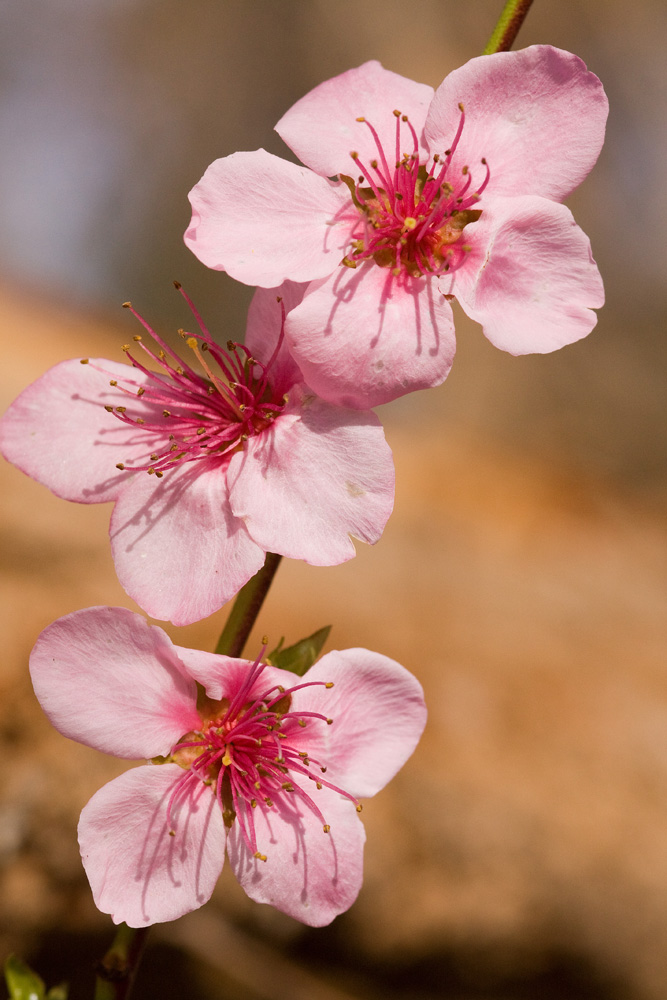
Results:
58 992
299 657
22 982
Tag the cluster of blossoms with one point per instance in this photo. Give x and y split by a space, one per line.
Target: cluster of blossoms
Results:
408 199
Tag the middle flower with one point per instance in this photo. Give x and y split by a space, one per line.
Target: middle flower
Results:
208 471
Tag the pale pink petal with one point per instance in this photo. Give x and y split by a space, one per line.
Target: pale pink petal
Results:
322 129
310 875
263 219
223 676
263 333
378 714
107 678
363 337
314 478
531 281
58 432
138 872
537 115
178 550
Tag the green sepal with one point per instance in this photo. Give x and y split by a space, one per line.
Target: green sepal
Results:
22 982
301 656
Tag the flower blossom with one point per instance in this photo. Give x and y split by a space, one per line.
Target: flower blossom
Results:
266 763
208 471
409 198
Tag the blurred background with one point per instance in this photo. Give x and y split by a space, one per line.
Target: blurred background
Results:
522 852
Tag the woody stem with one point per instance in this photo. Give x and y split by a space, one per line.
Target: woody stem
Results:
507 28
116 971
246 607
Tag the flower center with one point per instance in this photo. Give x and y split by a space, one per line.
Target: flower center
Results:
250 749
195 416
412 216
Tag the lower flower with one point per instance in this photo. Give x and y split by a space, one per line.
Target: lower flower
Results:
262 763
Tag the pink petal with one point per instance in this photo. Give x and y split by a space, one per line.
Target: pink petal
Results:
108 679
58 432
537 115
310 875
379 715
138 873
363 337
222 676
263 332
315 477
178 549
263 220
535 285
322 129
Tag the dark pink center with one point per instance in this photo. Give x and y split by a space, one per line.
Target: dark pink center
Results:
251 751
412 215
195 416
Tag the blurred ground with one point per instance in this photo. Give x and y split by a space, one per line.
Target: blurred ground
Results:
522 853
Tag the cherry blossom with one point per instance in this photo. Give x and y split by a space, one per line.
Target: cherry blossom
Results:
210 467
267 763
409 198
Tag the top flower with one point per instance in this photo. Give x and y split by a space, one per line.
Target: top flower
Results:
434 195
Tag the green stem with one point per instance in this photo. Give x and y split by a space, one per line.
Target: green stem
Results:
246 607
507 28
116 971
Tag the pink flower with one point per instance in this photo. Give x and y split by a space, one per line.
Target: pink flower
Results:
241 461
270 764
433 196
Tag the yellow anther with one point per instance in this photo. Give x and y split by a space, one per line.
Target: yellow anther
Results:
396 114
137 338
120 466
348 262
125 347
109 409
113 382
253 803
84 361
303 723
329 684
172 833
226 760
318 784
288 786
460 106
361 119
151 471
191 342
121 409
140 391
127 305
159 475
140 420
166 413
354 154
154 457
260 857
329 722
177 285
326 827
359 807
409 222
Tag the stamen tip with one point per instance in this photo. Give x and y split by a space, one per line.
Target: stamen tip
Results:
326 828
127 305
177 285
85 361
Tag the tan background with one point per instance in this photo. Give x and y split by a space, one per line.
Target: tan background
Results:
523 851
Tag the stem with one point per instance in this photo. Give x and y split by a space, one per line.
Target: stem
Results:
507 28
246 607
116 971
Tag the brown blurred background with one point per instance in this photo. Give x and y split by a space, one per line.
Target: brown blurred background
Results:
522 853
